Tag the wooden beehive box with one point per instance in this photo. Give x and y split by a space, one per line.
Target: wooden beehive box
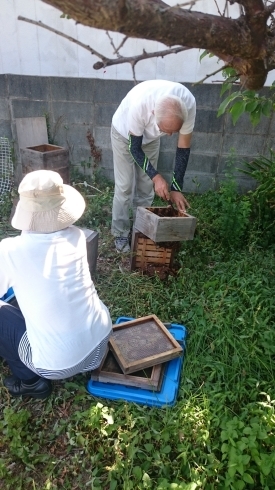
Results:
145 251
109 371
141 343
47 157
161 225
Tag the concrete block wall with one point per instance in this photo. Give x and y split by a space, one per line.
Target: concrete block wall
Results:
76 105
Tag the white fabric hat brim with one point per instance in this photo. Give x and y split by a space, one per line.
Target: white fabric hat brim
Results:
55 219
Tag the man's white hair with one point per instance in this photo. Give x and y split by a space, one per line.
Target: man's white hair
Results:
168 106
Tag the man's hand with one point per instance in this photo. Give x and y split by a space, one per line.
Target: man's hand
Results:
179 200
161 187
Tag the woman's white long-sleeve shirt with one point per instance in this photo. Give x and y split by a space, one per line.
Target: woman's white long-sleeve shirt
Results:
65 319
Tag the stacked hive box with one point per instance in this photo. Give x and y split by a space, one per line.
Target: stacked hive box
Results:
138 352
156 236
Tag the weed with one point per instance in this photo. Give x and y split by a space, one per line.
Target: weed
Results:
262 199
220 434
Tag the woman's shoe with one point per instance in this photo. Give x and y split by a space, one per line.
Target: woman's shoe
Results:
40 389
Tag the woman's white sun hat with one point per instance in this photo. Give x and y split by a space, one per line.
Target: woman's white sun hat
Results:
46 204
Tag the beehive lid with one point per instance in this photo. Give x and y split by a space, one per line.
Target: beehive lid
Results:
141 343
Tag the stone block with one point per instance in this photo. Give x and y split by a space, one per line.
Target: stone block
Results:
73 112
72 89
3 85
208 122
169 142
210 143
103 114
243 145
107 159
207 95
244 126
102 137
166 161
203 163
111 91
35 88
29 108
5 129
198 182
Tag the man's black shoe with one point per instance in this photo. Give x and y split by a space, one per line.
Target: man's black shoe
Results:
40 389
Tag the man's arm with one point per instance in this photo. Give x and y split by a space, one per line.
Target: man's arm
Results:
182 157
139 157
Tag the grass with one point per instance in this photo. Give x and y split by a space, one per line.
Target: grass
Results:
220 434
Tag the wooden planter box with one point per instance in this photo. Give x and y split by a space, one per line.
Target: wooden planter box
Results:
161 225
145 251
46 157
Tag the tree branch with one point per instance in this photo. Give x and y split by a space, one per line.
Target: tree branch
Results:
70 38
210 75
270 9
155 20
133 60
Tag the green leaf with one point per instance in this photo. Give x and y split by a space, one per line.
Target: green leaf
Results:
266 465
248 478
251 105
137 471
267 108
226 102
224 448
166 449
205 53
255 116
237 110
239 485
226 86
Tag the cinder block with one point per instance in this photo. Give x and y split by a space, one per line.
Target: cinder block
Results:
111 91
243 144
73 112
208 122
72 89
3 85
103 114
29 108
5 129
35 88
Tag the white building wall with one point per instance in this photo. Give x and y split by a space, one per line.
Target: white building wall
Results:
26 49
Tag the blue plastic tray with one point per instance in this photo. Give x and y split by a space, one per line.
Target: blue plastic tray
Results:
170 385
8 296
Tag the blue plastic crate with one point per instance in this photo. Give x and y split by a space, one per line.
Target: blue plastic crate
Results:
8 296
165 397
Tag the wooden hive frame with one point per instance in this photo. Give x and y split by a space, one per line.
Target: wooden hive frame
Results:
109 371
144 252
149 344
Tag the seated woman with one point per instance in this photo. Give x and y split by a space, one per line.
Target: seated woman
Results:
62 327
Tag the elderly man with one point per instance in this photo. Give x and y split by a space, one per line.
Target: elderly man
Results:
150 110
